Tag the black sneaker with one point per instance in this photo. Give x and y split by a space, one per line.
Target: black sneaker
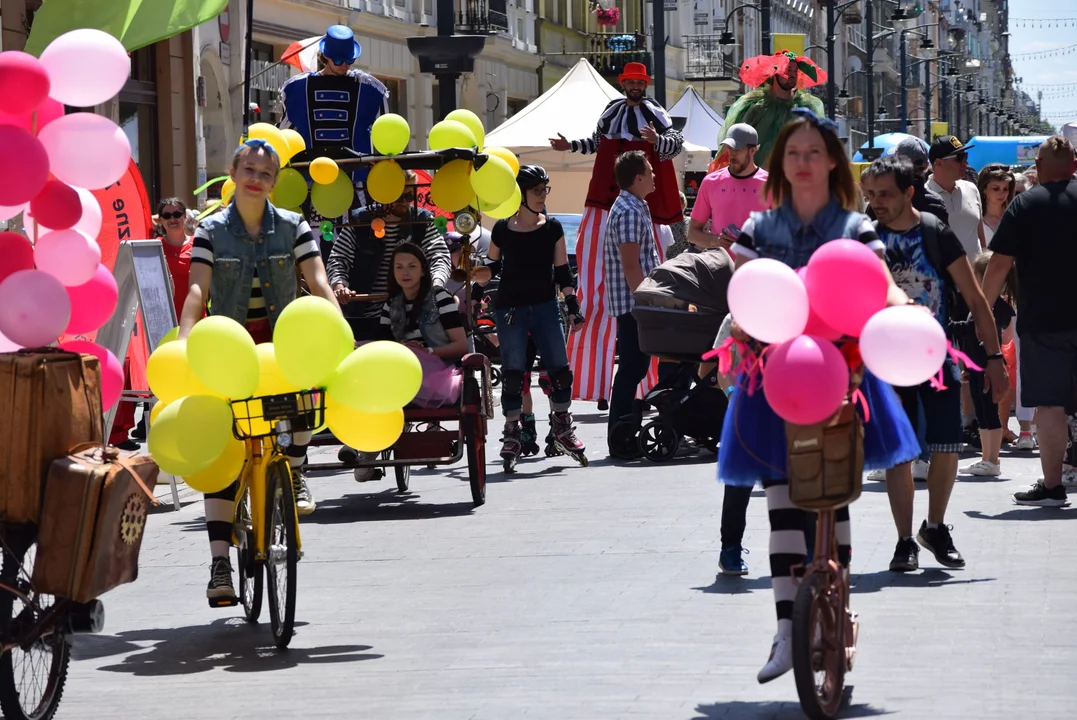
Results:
348 456
938 542
1042 496
304 499
128 445
972 435
220 590
906 556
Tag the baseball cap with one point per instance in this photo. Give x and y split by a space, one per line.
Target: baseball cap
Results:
912 148
945 146
740 136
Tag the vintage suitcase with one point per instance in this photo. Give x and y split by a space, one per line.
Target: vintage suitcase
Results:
92 520
826 461
51 403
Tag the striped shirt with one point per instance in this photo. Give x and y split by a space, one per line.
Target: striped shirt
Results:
448 313
305 248
623 121
629 221
342 259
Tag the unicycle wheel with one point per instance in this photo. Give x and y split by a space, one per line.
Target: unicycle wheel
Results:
819 658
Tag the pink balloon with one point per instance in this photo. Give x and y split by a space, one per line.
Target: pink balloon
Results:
87 67
89 222
34 308
111 369
47 111
768 301
57 205
9 212
846 285
24 166
93 303
903 346
815 325
67 255
16 253
805 380
86 150
24 82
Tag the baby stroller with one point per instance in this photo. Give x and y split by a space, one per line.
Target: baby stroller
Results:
679 308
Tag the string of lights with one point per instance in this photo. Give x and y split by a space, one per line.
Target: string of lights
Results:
1044 54
1043 23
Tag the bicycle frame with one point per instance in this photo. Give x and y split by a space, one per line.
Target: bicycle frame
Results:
261 453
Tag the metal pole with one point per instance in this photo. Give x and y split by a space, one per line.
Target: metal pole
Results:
248 62
446 82
870 25
831 100
957 109
764 23
927 100
658 41
904 82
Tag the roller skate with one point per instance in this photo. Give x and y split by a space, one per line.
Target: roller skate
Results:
551 445
564 437
510 446
528 436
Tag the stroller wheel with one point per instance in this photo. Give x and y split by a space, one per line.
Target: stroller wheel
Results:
624 440
658 440
495 376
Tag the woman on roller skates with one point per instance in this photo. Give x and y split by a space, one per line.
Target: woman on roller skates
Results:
529 251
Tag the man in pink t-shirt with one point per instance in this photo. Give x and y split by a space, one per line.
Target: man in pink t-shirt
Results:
727 196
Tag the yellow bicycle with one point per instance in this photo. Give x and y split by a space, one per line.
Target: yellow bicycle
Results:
266 527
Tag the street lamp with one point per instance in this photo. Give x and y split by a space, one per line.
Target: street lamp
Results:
727 42
926 44
832 14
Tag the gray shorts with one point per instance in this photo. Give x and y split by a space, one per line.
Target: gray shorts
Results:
1048 366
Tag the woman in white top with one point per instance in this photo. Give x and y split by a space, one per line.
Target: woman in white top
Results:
996 184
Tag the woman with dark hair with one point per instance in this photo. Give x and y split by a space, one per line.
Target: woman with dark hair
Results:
428 320
997 185
814 198
170 222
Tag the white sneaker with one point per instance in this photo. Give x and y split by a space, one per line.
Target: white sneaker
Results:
984 468
366 474
920 469
876 476
780 661
1026 442
1069 478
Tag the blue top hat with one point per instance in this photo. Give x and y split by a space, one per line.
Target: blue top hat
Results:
340 45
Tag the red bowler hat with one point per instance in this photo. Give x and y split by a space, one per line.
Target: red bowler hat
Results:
635 71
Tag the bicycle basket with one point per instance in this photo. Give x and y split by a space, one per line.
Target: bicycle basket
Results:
826 461
257 417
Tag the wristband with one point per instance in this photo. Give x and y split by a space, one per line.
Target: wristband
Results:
572 304
995 356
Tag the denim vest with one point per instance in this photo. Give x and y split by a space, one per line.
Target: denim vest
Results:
370 250
433 332
779 234
236 256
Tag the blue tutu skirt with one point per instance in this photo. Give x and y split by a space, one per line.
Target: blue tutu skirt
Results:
753 445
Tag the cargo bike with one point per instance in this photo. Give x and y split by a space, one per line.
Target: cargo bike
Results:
425 442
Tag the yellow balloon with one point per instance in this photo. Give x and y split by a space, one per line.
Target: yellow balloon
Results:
162 444
471 121
296 143
272 135
506 209
363 431
335 199
270 379
451 189
169 336
451 134
390 134
377 378
310 341
290 190
228 190
190 434
507 155
324 170
169 373
156 411
385 183
223 471
494 181
222 356
249 420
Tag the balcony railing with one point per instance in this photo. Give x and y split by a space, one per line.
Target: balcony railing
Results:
483 17
609 52
705 59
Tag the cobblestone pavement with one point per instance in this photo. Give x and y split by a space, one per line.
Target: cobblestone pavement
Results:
584 593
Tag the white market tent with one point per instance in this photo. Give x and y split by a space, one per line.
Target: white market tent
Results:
571 107
702 124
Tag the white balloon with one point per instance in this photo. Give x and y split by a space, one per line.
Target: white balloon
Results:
769 301
89 224
903 346
86 67
86 150
7 346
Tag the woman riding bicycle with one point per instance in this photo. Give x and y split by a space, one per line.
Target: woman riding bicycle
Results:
529 249
232 265
814 197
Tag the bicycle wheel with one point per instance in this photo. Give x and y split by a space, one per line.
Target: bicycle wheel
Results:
251 578
31 680
282 551
818 648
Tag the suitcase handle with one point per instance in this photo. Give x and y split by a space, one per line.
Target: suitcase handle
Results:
110 454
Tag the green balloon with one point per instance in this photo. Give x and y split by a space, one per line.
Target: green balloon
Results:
441 223
291 189
334 199
326 226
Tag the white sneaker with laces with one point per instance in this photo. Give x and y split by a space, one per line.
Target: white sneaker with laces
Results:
984 468
1069 478
1026 442
780 661
876 475
920 469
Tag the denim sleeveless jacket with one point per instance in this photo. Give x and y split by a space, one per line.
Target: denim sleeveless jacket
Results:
236 257
780 235
430 326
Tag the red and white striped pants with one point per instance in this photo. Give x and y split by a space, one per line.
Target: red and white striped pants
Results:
591 350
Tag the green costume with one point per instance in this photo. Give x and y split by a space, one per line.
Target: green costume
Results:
768 113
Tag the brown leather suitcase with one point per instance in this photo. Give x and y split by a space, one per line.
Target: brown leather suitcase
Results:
92 520
50 401
826 461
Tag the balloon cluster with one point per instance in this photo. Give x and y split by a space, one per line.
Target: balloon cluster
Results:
840 293
491 188
195 380
52 282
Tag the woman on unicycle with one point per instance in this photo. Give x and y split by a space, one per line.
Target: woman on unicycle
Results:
814 197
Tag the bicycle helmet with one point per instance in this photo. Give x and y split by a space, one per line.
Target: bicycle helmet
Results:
531 176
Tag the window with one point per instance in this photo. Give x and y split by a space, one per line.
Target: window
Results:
138 117
435 101
398 99
513 106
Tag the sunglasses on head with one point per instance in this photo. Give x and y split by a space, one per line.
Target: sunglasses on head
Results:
172 215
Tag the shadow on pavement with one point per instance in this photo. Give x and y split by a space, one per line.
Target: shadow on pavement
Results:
384 505
733 585
932 577
232 645
1026 514
738 710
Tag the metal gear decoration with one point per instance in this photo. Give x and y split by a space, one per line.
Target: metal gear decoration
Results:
133 519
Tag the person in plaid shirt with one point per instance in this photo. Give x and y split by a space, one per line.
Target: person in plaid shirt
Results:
631 253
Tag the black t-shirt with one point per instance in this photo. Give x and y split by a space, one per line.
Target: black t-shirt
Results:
526 263
1039 230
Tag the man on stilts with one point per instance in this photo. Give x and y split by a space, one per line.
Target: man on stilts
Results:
635 122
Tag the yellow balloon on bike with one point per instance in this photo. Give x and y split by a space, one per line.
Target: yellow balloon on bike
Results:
222 356
472 122
506 209
334 199
377 378
323 170
385 182
451 189
203 427
169 373
390 134
310 340
507 155
223 472
296 143
365 432
494 181
451 134
271 380
272 135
